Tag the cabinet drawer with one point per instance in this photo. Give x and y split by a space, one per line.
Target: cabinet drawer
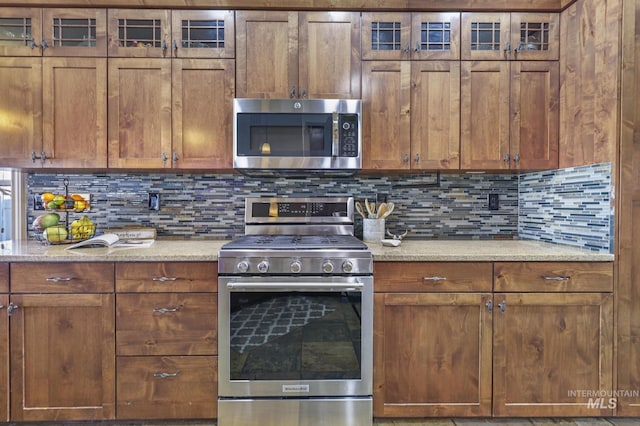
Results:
553 276
167 324
59 277
167 276
184 387
432 276
4 277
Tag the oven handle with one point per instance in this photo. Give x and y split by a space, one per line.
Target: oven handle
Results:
298 286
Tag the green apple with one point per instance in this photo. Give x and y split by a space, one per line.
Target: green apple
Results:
55 233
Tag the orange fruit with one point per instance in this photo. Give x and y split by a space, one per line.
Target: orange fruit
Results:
77 197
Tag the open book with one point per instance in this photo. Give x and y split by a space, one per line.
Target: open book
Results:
111 241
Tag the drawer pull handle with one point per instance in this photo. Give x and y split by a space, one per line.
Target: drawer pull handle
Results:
164 279
559 278
165 375
12 308
165 310
434 279
1 306
59 279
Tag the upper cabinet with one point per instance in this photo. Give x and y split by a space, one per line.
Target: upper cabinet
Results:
45 129
510 36
298 54
396 36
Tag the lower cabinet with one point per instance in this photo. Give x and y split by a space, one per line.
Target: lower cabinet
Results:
539 344
432 345
4 343
62 342
166 340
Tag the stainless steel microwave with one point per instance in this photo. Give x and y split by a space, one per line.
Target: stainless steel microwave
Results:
284 136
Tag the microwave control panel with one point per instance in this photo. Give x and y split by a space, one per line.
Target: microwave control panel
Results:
349 135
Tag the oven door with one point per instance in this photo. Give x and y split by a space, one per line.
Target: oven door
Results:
295 336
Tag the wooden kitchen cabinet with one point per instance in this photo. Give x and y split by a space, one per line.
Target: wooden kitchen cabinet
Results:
48 130
298 54
166 340
4 342
552 338
510 36
432 345
62 341
509 115
411 115
416 36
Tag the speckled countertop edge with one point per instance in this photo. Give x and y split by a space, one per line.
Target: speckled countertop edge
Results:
409 250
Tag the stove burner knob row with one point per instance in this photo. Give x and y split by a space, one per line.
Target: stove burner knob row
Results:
295 267
263 266
327 267
242 266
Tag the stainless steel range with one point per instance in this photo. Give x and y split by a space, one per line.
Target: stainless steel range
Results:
295 317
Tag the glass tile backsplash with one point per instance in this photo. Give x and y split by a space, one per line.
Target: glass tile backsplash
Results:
206 206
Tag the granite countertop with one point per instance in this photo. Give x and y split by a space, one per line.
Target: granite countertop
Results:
409 250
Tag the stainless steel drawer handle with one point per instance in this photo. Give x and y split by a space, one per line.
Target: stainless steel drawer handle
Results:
164 279
165 310
434 279
558 278
59 279
165 375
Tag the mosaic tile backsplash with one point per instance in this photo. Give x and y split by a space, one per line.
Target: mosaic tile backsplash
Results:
454 206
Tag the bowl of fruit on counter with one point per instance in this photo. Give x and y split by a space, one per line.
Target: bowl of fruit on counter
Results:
49 228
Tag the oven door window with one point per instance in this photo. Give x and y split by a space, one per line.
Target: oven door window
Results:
295 335
284 135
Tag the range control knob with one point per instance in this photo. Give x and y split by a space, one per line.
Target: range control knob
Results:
263 266
243 266
295 266
347 266
327 267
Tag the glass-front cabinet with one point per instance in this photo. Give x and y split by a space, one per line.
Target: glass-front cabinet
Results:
510 36
20 31
425 35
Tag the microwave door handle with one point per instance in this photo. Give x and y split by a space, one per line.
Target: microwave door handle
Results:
335 146
298 286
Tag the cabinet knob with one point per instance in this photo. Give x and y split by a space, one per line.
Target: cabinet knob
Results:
292 93
417 49
164 158
175 46
174 157
506 159
44 45
12 307
32 43
502 306
507 50
417 158
406 158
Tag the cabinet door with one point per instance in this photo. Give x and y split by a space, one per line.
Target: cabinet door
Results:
432 355
435 36
484 115
535 115
485 36
62 357
139 113
168 387
20 31
139 33
386 115
535 36
4 358
386 36
75 133
548 349
435 115
21 106
267 54
329 55
74 32
202 113
203 34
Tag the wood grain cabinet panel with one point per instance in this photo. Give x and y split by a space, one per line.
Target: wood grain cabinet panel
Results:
432 355
432 276
547 347
184 387
62 277
167 324
175 277
554 276
62 357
